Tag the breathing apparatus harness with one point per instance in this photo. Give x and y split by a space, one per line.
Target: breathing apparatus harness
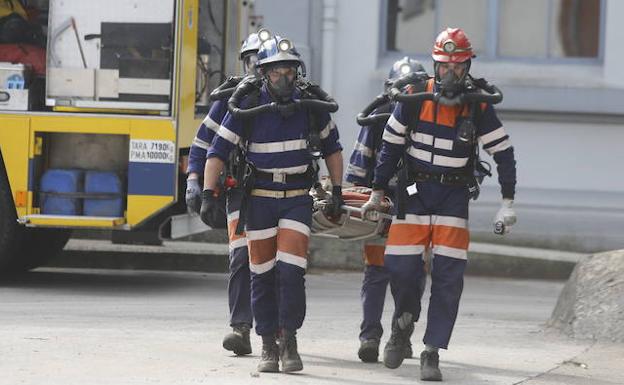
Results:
474 92
313 99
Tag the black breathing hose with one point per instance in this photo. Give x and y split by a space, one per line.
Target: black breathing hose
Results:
365 118
327 104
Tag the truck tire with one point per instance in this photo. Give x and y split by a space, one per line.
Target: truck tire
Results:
10 235
22 248
37 247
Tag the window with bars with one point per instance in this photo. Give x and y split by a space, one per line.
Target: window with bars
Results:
516 29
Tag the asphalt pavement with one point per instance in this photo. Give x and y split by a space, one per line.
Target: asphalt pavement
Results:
90 326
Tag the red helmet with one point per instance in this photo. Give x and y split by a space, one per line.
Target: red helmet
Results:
452 46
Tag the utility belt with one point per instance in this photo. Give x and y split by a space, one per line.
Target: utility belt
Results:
279 194
449 179
284 178
407 176
252 175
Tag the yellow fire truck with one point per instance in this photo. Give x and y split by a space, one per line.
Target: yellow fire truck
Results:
99 139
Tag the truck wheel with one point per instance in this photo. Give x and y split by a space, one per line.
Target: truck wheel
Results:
24 248
38 246
10 236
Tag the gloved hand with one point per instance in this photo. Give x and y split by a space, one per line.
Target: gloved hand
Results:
369 209
193 196
333 209
212 213
505 217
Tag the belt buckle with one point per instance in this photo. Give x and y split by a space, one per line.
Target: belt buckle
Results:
279 177
443 178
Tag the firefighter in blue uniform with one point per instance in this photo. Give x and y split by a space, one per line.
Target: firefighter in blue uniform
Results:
360 172
239 296
441 177
279 208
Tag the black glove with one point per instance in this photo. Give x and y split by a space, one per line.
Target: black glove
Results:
212 210
333 209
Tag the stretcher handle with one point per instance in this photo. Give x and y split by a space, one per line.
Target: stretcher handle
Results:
358 210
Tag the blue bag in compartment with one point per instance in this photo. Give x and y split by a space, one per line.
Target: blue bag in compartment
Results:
106 189
58 192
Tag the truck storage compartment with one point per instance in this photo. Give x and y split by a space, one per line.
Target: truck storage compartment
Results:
96 166
59 192
103 194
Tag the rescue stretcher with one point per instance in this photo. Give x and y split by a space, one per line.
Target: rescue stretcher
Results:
351 225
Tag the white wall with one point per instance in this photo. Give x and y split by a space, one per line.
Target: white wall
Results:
614 36
356 55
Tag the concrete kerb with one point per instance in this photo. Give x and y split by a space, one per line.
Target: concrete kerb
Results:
325 254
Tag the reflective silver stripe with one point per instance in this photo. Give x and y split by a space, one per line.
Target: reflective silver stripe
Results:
448 161
228 135
397 126
233 216
392 138
450 252
257 235
505 144
287 170
366 151
420 154
492 136
200 143
441 220
263 267
325 132
238 243
276 147
292 259
404 250
423 138
294 225
355 170
211 124
430 140
444 144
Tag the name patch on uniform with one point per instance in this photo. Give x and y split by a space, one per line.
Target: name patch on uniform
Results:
152 151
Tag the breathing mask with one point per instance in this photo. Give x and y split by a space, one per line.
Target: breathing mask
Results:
281 82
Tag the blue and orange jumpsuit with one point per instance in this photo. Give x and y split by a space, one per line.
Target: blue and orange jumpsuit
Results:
239 292
279 211
437 215
360 172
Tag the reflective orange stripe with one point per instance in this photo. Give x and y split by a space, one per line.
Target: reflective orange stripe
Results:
455 237
262 250
408 234
374 255
292 242
232 230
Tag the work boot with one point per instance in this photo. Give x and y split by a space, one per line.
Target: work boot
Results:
238 341
291 362
394 351
270 355
409 353
369 350
429 370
